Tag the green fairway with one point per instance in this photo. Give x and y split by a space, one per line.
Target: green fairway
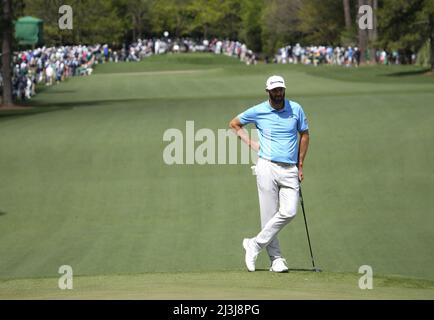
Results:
83 183
231 285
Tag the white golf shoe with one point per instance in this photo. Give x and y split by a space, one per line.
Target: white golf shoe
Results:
279 265
252 252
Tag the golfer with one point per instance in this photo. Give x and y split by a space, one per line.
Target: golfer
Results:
279 169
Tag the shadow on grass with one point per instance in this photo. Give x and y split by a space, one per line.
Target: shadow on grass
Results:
294 270
2 213
38 107
408 73
60 91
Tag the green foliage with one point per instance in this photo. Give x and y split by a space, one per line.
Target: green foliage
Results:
280 21
322 22
101 23
265 25
135 16
423 56
251 26
230 24
394 34
206 14
307 22
347 38
118 20
47 10
196 18
94 21
171 15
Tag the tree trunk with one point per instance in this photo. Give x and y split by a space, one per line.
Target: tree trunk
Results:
7 53
373 33
431 39
347 14
134 28
205 31
139 26
363 36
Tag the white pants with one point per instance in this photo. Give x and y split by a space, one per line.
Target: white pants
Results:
278 188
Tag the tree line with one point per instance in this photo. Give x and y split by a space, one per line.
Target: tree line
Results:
264 25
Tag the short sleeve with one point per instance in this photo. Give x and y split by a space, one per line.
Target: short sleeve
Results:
248 116
302 124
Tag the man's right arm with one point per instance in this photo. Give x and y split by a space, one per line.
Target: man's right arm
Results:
237 127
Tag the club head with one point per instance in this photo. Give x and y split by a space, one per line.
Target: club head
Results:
317 270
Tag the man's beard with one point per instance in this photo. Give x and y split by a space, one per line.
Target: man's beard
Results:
277 100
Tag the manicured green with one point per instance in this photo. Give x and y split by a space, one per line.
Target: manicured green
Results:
83 182
233 285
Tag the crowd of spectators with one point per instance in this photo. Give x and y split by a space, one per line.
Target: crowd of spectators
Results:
49 66
315 55
54 64
343 56
147 47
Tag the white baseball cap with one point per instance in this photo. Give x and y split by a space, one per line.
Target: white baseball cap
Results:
275 82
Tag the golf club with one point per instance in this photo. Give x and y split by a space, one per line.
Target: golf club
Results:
307 232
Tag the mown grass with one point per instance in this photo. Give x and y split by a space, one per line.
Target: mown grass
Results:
84 182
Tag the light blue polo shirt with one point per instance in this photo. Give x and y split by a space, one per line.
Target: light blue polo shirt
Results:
278 139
